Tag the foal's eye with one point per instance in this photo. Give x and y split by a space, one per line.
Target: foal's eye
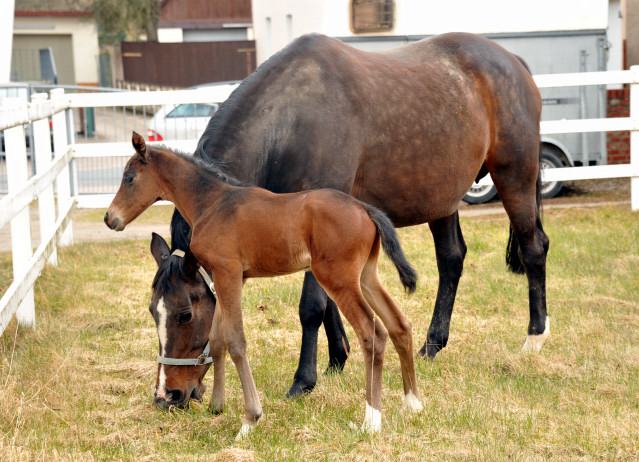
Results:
128 180
184 317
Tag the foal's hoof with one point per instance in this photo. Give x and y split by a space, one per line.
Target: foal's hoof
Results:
244 431
298 390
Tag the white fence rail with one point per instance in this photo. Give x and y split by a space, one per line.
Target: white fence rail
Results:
56 227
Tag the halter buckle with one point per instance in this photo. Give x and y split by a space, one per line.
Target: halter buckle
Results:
201 360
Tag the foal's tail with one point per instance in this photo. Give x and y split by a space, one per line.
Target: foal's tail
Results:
513 255
392 247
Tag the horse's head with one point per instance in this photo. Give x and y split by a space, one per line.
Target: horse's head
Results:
182 305
137 191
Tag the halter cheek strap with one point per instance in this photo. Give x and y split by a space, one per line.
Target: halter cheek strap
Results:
201 270
204 357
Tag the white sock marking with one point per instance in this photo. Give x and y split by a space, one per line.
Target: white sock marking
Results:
534 342
162 318
412 402
372 420
245 430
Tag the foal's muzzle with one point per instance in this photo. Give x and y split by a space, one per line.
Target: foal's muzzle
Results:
113 223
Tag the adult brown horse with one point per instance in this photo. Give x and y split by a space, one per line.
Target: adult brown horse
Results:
407 130
247 232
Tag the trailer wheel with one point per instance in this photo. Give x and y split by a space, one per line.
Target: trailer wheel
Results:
550 160
480 194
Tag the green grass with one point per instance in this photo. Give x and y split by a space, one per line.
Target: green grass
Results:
80 385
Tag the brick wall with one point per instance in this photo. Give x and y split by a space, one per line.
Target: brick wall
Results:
618 142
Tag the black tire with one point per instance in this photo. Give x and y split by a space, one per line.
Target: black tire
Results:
550 160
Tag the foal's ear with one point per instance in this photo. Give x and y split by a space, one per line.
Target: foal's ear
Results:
138 144
159 248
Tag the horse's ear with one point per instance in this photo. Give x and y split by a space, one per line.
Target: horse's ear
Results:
190 264
159 248
138 144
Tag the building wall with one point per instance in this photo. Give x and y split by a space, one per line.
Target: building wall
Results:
206 10
632 32
277 23
84 41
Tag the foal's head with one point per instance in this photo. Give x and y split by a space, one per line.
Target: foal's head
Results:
182 305
138 189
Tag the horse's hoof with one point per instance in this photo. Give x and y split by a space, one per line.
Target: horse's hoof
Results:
534 342
298 390
336 368
428 352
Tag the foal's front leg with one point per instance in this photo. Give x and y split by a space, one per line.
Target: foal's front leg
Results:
229 291
218 353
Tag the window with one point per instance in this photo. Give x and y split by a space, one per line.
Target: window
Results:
371 15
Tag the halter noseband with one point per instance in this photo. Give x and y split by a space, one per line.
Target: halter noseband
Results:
204 357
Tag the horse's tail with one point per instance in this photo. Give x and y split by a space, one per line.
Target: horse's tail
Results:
513 255
180 232
392 247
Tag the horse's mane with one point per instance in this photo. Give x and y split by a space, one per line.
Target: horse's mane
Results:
164 280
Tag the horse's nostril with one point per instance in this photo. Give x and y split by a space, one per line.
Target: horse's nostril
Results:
174 396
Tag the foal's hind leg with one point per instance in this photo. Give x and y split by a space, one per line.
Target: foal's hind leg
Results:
400 330
372 335
450 250
315 307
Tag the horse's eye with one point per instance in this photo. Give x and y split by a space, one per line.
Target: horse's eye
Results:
184 317
128 180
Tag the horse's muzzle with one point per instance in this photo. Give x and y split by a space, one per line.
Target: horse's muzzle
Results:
178 398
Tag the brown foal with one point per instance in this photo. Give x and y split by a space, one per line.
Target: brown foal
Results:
242 232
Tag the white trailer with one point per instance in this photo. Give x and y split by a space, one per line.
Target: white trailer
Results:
552 37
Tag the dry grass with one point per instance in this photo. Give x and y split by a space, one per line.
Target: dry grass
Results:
79 387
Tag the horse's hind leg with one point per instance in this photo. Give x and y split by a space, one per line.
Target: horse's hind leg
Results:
450 250
399 327
315 307
519 194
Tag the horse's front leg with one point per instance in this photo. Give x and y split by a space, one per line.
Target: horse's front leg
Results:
229 291
315 307
218 353
450 250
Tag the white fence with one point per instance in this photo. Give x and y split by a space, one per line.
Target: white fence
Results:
54 216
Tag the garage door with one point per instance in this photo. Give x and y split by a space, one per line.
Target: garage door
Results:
25 61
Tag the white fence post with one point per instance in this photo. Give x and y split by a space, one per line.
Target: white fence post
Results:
634 139
42 154
60 147
17 175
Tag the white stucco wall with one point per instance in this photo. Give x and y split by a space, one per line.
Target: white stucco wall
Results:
277 23
84 33
6 26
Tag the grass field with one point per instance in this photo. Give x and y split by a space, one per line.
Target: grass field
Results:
79 387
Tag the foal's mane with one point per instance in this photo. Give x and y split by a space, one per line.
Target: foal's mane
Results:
210 166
